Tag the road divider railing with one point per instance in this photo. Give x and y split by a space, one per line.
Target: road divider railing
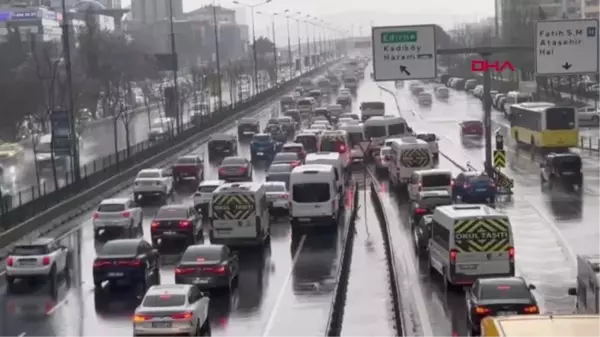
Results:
589 143
338 302
44 215
395 296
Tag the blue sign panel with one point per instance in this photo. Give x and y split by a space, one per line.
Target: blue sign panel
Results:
24 15
5 16
61 132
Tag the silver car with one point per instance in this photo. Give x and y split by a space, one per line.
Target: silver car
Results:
588 115
174 309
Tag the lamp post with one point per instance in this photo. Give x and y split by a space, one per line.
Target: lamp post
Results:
252 7
307 36
175 67
217 56
273 15
311 22
287 22
70 100
299 42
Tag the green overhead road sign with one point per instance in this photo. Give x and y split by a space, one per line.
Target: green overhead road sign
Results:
399 37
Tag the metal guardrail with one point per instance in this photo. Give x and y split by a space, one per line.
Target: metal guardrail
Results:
338 304
589 143
395 295
77 203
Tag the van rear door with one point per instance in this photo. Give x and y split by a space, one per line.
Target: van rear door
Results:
313 199
482 246
436 182
234 215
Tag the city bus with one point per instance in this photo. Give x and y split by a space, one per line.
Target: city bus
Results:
544 125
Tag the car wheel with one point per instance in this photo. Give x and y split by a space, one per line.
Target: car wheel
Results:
10 282
53 279
157 277
205 329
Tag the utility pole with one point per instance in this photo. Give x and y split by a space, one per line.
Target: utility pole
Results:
175 67
308 42
299 45
274 49
218 58
290 58
70 100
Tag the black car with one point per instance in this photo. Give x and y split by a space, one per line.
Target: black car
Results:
235 169
277 132
127 261
176 222
280 172
427 202
563 170
421 232
291 158
248 127
498 297
208 267
222 145
288 124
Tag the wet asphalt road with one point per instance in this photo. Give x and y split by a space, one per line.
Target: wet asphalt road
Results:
97 142
549 228
285 291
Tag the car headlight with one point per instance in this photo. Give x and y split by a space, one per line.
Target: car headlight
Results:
11 154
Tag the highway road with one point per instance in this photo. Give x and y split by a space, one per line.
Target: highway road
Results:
97 142
287 290
549 229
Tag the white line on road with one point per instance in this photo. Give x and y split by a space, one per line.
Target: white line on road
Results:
283 289
22 334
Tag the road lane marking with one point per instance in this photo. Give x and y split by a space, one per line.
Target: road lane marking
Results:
56 307
283 289
22 334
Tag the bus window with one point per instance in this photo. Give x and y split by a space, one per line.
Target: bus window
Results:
560 118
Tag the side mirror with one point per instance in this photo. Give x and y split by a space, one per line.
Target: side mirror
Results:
531 287
572 292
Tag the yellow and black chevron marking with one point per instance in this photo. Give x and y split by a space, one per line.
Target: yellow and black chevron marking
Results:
415 158
499 158
233 207
503 181
482 235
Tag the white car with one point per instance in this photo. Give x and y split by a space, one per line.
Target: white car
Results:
320 126
174 309
203 195
152 182
432 142
277 196
43 257
588 115
121 215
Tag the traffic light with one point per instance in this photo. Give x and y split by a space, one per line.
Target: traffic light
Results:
499 142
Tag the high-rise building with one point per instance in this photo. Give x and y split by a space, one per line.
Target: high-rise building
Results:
149 11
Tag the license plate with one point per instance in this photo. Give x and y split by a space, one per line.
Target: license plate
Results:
161 324
468 266
481 189
201 280
27 263
115 274
169 233
506 313
260 153
304 220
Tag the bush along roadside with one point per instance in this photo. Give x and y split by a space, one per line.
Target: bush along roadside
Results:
52 205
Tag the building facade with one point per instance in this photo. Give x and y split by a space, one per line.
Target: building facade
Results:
150 11
39 23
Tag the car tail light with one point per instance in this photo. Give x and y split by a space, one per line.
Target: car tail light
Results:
10 261
141 318
453 254
130 263
219 270
532 309
284 196
100 264
96 215
154 225
182 315
420 211
182 271
342 148
511 253
482 310
126 214
452 182
46 260
243 169
184 224
222 170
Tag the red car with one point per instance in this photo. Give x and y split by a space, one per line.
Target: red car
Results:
471 129
188 167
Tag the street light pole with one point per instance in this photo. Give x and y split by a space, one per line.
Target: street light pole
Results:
175 67
299 46
308 42
275 49
218 58
70 100
254 54
287 21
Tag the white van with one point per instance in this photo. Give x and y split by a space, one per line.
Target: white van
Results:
43 155
356 136
314 196
305 106
371 109
239 214
336 141
379 128
429 180
407 155
470 241
335 160
515 97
